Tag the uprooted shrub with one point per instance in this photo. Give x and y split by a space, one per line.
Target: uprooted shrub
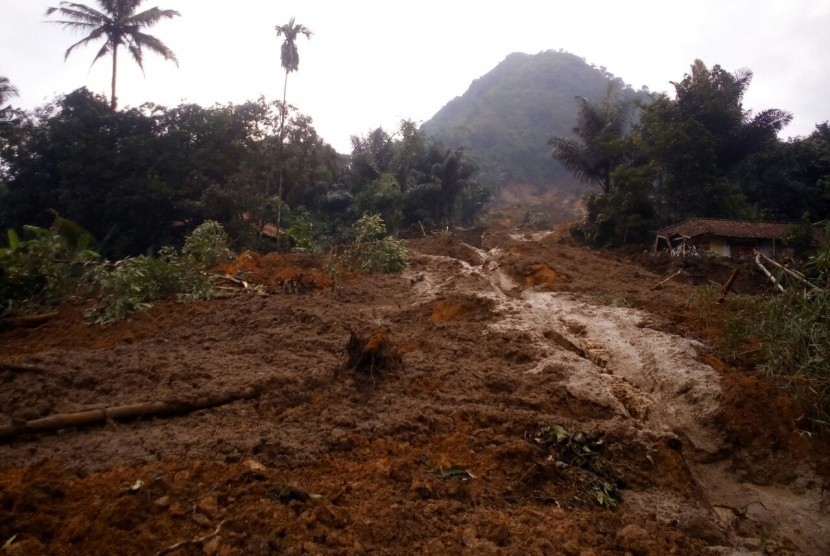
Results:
584 451
372 352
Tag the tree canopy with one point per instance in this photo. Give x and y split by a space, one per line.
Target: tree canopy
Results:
698 154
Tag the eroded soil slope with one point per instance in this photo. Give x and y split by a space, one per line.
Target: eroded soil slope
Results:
547 400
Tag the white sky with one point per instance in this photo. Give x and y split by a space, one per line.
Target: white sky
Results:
374 62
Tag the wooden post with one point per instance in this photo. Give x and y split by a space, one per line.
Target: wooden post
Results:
728 285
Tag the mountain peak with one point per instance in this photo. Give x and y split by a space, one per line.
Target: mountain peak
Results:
506 117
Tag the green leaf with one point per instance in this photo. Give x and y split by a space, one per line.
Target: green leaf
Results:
14 240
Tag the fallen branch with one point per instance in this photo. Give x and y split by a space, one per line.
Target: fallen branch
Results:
127 412
26 321
197 540
660 285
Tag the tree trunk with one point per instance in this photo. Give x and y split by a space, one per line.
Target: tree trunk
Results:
113 100
282 152
127 412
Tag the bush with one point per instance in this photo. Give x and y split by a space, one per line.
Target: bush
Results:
795 347
789 336
207 245
374 250
304 238
128 285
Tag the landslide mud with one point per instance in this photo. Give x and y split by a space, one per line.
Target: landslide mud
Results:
436 455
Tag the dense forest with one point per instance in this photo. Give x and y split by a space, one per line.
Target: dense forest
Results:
144 177
697 154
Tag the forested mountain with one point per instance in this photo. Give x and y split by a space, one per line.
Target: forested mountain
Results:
506 117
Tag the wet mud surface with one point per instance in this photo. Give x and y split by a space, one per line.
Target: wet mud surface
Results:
545 399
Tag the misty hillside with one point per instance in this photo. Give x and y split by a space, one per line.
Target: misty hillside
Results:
506 117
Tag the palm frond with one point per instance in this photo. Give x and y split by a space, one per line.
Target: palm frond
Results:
101 53
96 34
150 17
575 158
78 13
153 44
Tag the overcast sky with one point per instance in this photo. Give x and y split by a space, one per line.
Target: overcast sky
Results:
374 62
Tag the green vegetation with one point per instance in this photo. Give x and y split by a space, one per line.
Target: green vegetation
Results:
142 178
788 336
374 250
40 270
584 451
51 266
699 154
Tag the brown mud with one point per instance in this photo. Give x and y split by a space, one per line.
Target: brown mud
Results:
492 340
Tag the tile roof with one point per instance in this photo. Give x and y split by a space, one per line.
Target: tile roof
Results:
695 227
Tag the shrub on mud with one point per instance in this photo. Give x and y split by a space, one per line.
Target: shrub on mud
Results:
39 272
583 451
374 251
795 348
128 285
208 245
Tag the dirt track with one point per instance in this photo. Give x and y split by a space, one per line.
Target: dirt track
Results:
440 456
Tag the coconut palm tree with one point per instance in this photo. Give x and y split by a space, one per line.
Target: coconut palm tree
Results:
7 90
290 59
118 24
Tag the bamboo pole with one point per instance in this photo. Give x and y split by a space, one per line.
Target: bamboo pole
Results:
767 272
797 275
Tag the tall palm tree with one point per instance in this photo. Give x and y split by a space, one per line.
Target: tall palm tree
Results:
289 55
118 24
597 149
7 92
290 59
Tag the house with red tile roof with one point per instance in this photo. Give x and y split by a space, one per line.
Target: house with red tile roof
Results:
727 238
